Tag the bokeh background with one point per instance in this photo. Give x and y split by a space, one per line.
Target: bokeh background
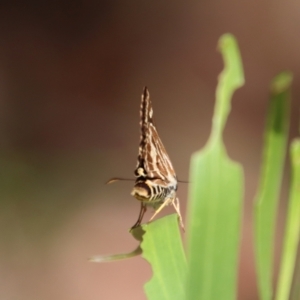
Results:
71 76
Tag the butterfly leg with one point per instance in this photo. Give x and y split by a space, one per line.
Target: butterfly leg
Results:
165 203
176 206
141 215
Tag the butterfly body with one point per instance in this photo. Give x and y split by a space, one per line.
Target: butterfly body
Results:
156 182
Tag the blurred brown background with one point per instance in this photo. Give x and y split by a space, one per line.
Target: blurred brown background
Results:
71 75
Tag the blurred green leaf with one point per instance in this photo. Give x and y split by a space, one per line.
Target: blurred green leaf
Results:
138 234
292 231
230 79
266 201
215 202
162 248
115 257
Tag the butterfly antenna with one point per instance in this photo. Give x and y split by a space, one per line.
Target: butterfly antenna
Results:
115 179
183 181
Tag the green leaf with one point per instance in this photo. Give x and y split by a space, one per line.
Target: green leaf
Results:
292 231
162 248
138 234
266 201
230 79
215 202
115 257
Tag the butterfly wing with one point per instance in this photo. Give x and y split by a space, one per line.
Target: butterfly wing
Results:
153 160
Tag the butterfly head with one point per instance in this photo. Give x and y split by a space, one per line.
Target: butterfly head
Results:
141 191
153 190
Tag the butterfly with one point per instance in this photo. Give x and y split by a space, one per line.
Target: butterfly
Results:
156 182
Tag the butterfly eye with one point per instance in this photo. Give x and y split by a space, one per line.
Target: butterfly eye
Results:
141 191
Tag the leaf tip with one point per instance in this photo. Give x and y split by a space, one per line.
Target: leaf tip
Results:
281 82
229 48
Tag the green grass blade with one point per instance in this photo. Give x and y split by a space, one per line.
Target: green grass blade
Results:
137 234
230 79
295 289
115 257
266 201
162 248
215 202
292 231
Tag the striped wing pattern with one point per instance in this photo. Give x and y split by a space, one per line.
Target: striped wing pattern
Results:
153 160
156 181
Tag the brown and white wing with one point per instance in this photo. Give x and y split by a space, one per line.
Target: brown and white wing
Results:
153 160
